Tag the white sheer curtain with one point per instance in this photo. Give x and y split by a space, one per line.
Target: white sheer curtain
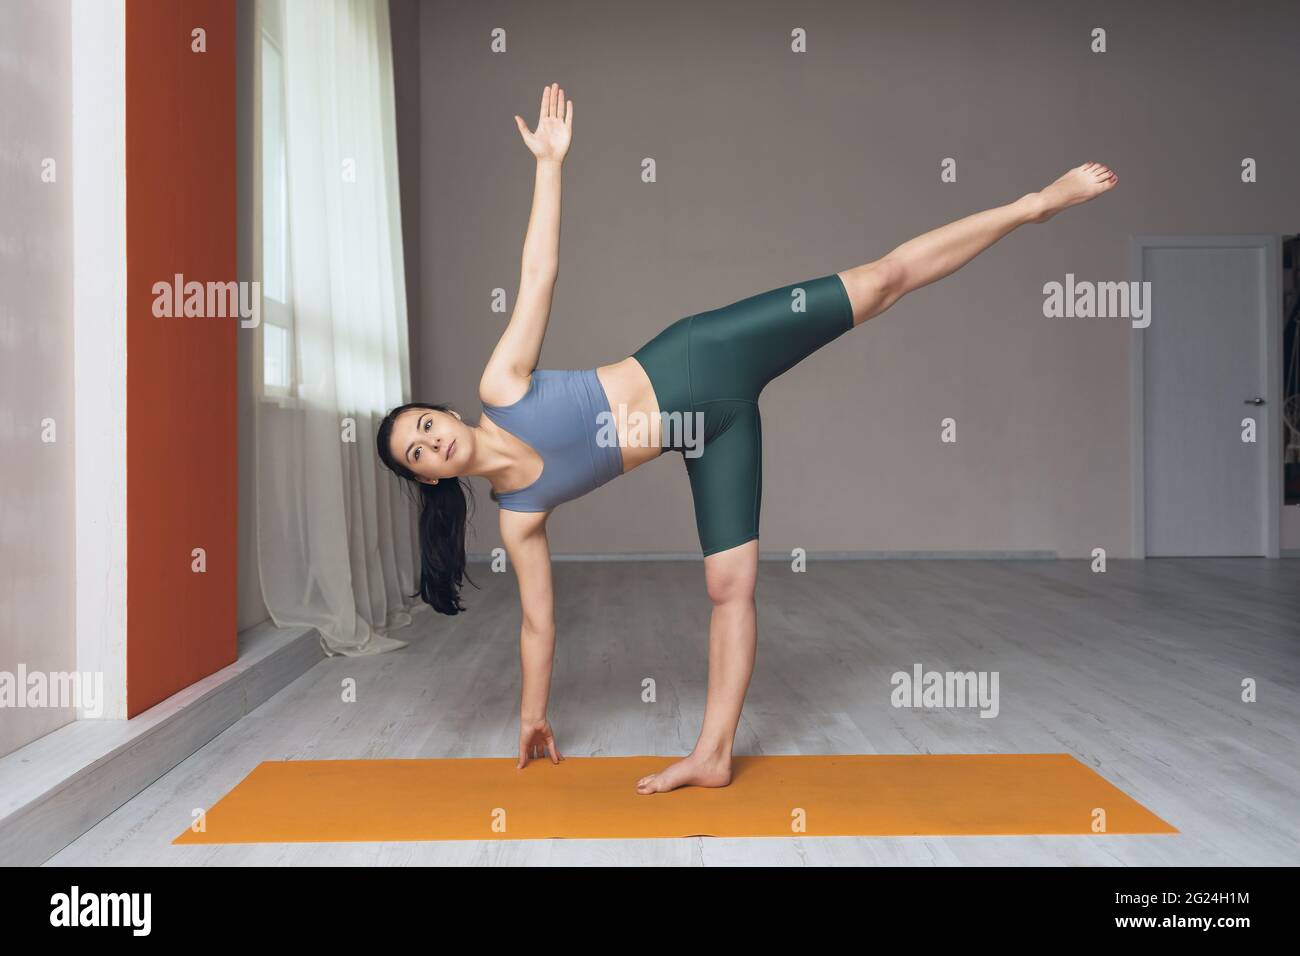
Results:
337 546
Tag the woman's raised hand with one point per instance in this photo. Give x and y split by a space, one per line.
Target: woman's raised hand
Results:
550 141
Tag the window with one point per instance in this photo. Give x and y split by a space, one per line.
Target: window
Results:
279 378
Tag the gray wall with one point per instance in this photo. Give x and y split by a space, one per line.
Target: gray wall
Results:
37 533
404 21
775 167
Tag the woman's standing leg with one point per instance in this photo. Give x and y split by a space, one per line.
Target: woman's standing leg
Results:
730 577
875 286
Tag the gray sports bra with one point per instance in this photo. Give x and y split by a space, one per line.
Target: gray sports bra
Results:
558 417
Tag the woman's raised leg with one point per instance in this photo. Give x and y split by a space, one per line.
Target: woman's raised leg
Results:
764 321
730 577
875 286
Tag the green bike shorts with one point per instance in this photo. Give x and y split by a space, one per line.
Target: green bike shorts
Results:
707 371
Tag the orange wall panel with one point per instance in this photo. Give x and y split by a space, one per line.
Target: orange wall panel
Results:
181 429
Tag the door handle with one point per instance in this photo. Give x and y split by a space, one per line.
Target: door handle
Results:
1255 401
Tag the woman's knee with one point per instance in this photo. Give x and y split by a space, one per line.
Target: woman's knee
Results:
874 287
730 576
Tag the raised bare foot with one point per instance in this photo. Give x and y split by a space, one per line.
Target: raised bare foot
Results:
1078 185
691 771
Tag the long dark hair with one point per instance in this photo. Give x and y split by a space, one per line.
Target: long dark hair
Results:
442 522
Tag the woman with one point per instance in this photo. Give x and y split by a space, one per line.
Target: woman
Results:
547 436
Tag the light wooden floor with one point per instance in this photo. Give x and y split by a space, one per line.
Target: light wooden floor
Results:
1137 672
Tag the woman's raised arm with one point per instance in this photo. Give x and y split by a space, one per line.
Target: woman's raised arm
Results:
505 378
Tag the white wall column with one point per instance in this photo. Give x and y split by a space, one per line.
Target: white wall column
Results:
99 323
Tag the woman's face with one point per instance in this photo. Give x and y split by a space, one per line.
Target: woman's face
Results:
431 443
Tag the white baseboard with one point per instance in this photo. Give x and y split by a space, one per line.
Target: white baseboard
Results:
57 787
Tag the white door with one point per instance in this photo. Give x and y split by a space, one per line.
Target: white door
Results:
1204 368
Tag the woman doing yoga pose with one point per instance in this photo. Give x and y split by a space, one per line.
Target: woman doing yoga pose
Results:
548 436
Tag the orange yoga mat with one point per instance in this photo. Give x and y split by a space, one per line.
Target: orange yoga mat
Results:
326 801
